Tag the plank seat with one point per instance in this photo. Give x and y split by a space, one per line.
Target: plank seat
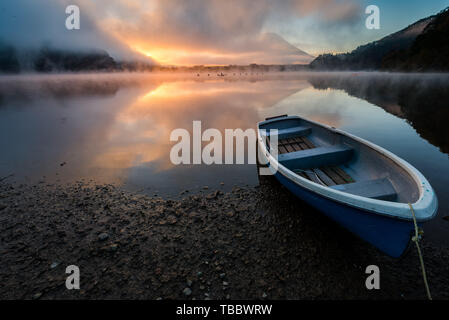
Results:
380 189
299 131
317 157
329 176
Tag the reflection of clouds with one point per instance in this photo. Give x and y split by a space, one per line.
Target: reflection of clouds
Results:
116 122
317 105
333 120
141 130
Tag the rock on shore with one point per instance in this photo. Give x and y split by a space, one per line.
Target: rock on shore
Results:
258 243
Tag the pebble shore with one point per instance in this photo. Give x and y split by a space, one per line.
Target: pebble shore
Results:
251 243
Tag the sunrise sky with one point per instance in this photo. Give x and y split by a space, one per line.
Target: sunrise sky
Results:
220 32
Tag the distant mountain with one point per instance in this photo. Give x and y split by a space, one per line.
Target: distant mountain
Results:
372 56
291 54
429 51
50 60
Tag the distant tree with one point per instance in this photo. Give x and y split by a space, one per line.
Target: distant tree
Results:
8 60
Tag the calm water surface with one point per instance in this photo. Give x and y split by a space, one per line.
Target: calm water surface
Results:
116 128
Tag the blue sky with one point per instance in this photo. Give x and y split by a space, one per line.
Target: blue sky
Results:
397 14
315 36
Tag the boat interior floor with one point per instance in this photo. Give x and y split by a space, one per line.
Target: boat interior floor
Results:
323 165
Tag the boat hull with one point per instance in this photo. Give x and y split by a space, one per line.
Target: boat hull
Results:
372 201
391 236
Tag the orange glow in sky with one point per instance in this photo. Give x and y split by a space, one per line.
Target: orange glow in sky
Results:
183 56
166 34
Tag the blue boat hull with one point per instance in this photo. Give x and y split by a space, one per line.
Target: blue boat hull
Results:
392 236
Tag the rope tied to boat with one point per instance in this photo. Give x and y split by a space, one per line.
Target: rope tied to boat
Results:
418 234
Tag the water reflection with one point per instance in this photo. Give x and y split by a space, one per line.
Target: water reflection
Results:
115 128
423 100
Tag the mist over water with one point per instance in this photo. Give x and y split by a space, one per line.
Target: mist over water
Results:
115 128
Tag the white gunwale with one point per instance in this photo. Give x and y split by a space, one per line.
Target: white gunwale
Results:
425 207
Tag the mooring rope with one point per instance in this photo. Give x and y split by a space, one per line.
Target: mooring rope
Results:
415 239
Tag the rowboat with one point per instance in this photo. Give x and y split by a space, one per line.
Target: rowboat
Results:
363 187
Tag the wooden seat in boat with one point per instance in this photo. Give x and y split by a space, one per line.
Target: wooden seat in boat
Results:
329 176
321 164
299 131
380 189
376 207
333 155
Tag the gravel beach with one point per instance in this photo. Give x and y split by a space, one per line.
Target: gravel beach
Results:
251 243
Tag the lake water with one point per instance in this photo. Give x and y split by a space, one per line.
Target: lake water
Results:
115 128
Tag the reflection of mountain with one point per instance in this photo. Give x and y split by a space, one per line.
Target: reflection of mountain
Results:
108 123
422 46
68 86
62 86
421 100
22 89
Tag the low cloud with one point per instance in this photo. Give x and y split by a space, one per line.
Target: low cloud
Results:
175 31
216 31
31 24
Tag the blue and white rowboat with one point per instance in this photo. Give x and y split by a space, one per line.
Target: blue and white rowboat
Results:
360 185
